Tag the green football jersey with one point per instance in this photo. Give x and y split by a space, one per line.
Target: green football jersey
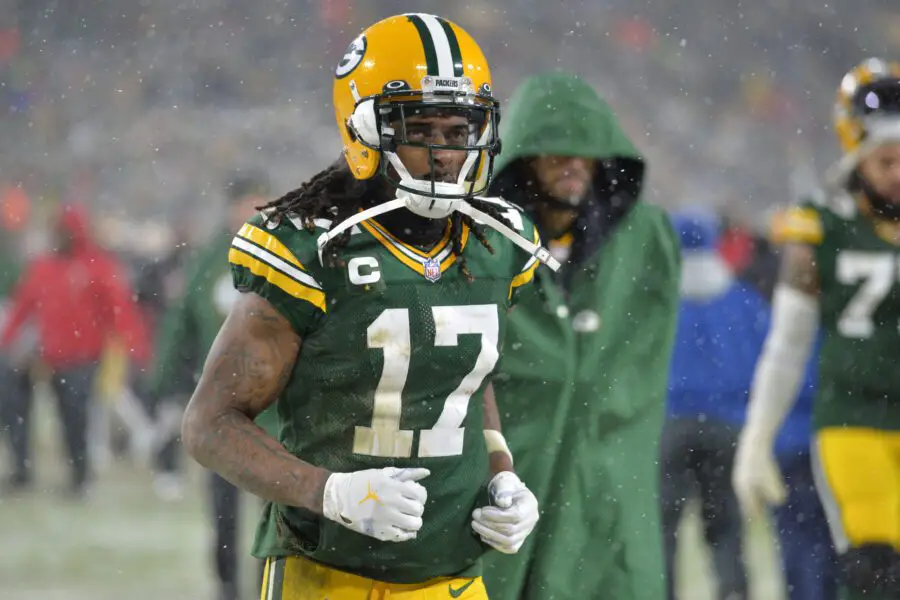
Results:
859 281
397 346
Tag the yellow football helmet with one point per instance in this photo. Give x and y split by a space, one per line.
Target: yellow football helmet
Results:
866 115
400 67
868 100
419 65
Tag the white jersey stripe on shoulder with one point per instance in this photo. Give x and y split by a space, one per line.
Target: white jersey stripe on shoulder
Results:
321 224
270 593
276 262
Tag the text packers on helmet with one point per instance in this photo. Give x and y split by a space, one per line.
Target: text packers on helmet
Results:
400 67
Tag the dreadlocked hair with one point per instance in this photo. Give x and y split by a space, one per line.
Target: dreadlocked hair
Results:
457 220
335 194
332 193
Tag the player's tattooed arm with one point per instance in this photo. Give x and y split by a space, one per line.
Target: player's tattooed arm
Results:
499 461
798 269
247 367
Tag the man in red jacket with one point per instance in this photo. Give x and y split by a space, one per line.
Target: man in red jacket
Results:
77 296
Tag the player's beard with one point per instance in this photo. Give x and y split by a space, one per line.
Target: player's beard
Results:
883 206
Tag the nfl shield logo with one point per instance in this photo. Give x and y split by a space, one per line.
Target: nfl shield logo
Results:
432 270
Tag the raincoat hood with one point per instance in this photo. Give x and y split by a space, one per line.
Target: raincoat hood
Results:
559 114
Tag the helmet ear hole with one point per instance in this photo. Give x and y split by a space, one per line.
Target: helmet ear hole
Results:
364 124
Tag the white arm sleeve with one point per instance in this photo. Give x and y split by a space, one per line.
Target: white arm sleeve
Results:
782 366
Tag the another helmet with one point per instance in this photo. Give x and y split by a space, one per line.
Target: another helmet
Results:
868 105
400 67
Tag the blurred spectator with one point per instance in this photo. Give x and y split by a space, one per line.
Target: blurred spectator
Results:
736 245
77 297
721 328
13 376
187 332
159 288
15 206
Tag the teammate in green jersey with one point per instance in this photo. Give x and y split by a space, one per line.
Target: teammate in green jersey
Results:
188 329
841 274
374 309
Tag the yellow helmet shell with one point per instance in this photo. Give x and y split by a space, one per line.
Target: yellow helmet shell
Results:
847 124
398 53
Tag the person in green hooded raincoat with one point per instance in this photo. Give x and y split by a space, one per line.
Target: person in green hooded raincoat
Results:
582 384
188 330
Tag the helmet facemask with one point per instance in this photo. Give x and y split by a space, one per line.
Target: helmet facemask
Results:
447 116
402 117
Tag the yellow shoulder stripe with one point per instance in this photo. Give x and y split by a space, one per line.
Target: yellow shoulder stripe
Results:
451 258
286 284
268 241
797 225
524 277
527 274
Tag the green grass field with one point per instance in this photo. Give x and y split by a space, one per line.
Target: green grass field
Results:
122 542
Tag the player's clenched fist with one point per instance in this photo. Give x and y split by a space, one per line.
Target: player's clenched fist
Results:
386 504
505 525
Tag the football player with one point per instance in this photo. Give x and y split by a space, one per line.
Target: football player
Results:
374 306
841 272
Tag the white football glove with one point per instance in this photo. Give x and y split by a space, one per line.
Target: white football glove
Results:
386 504
514 512
756 477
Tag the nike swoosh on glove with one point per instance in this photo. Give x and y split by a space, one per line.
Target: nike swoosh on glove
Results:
512 517
386 504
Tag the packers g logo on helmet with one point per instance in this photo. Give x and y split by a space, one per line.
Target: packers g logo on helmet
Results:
352 57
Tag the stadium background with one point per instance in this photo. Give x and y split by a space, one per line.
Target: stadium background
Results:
139 109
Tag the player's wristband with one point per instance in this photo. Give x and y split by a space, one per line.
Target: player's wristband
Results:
496 442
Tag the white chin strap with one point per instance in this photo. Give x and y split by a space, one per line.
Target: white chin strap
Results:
426 205
539 252
456 204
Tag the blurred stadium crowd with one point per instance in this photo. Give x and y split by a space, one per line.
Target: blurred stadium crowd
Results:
138 110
